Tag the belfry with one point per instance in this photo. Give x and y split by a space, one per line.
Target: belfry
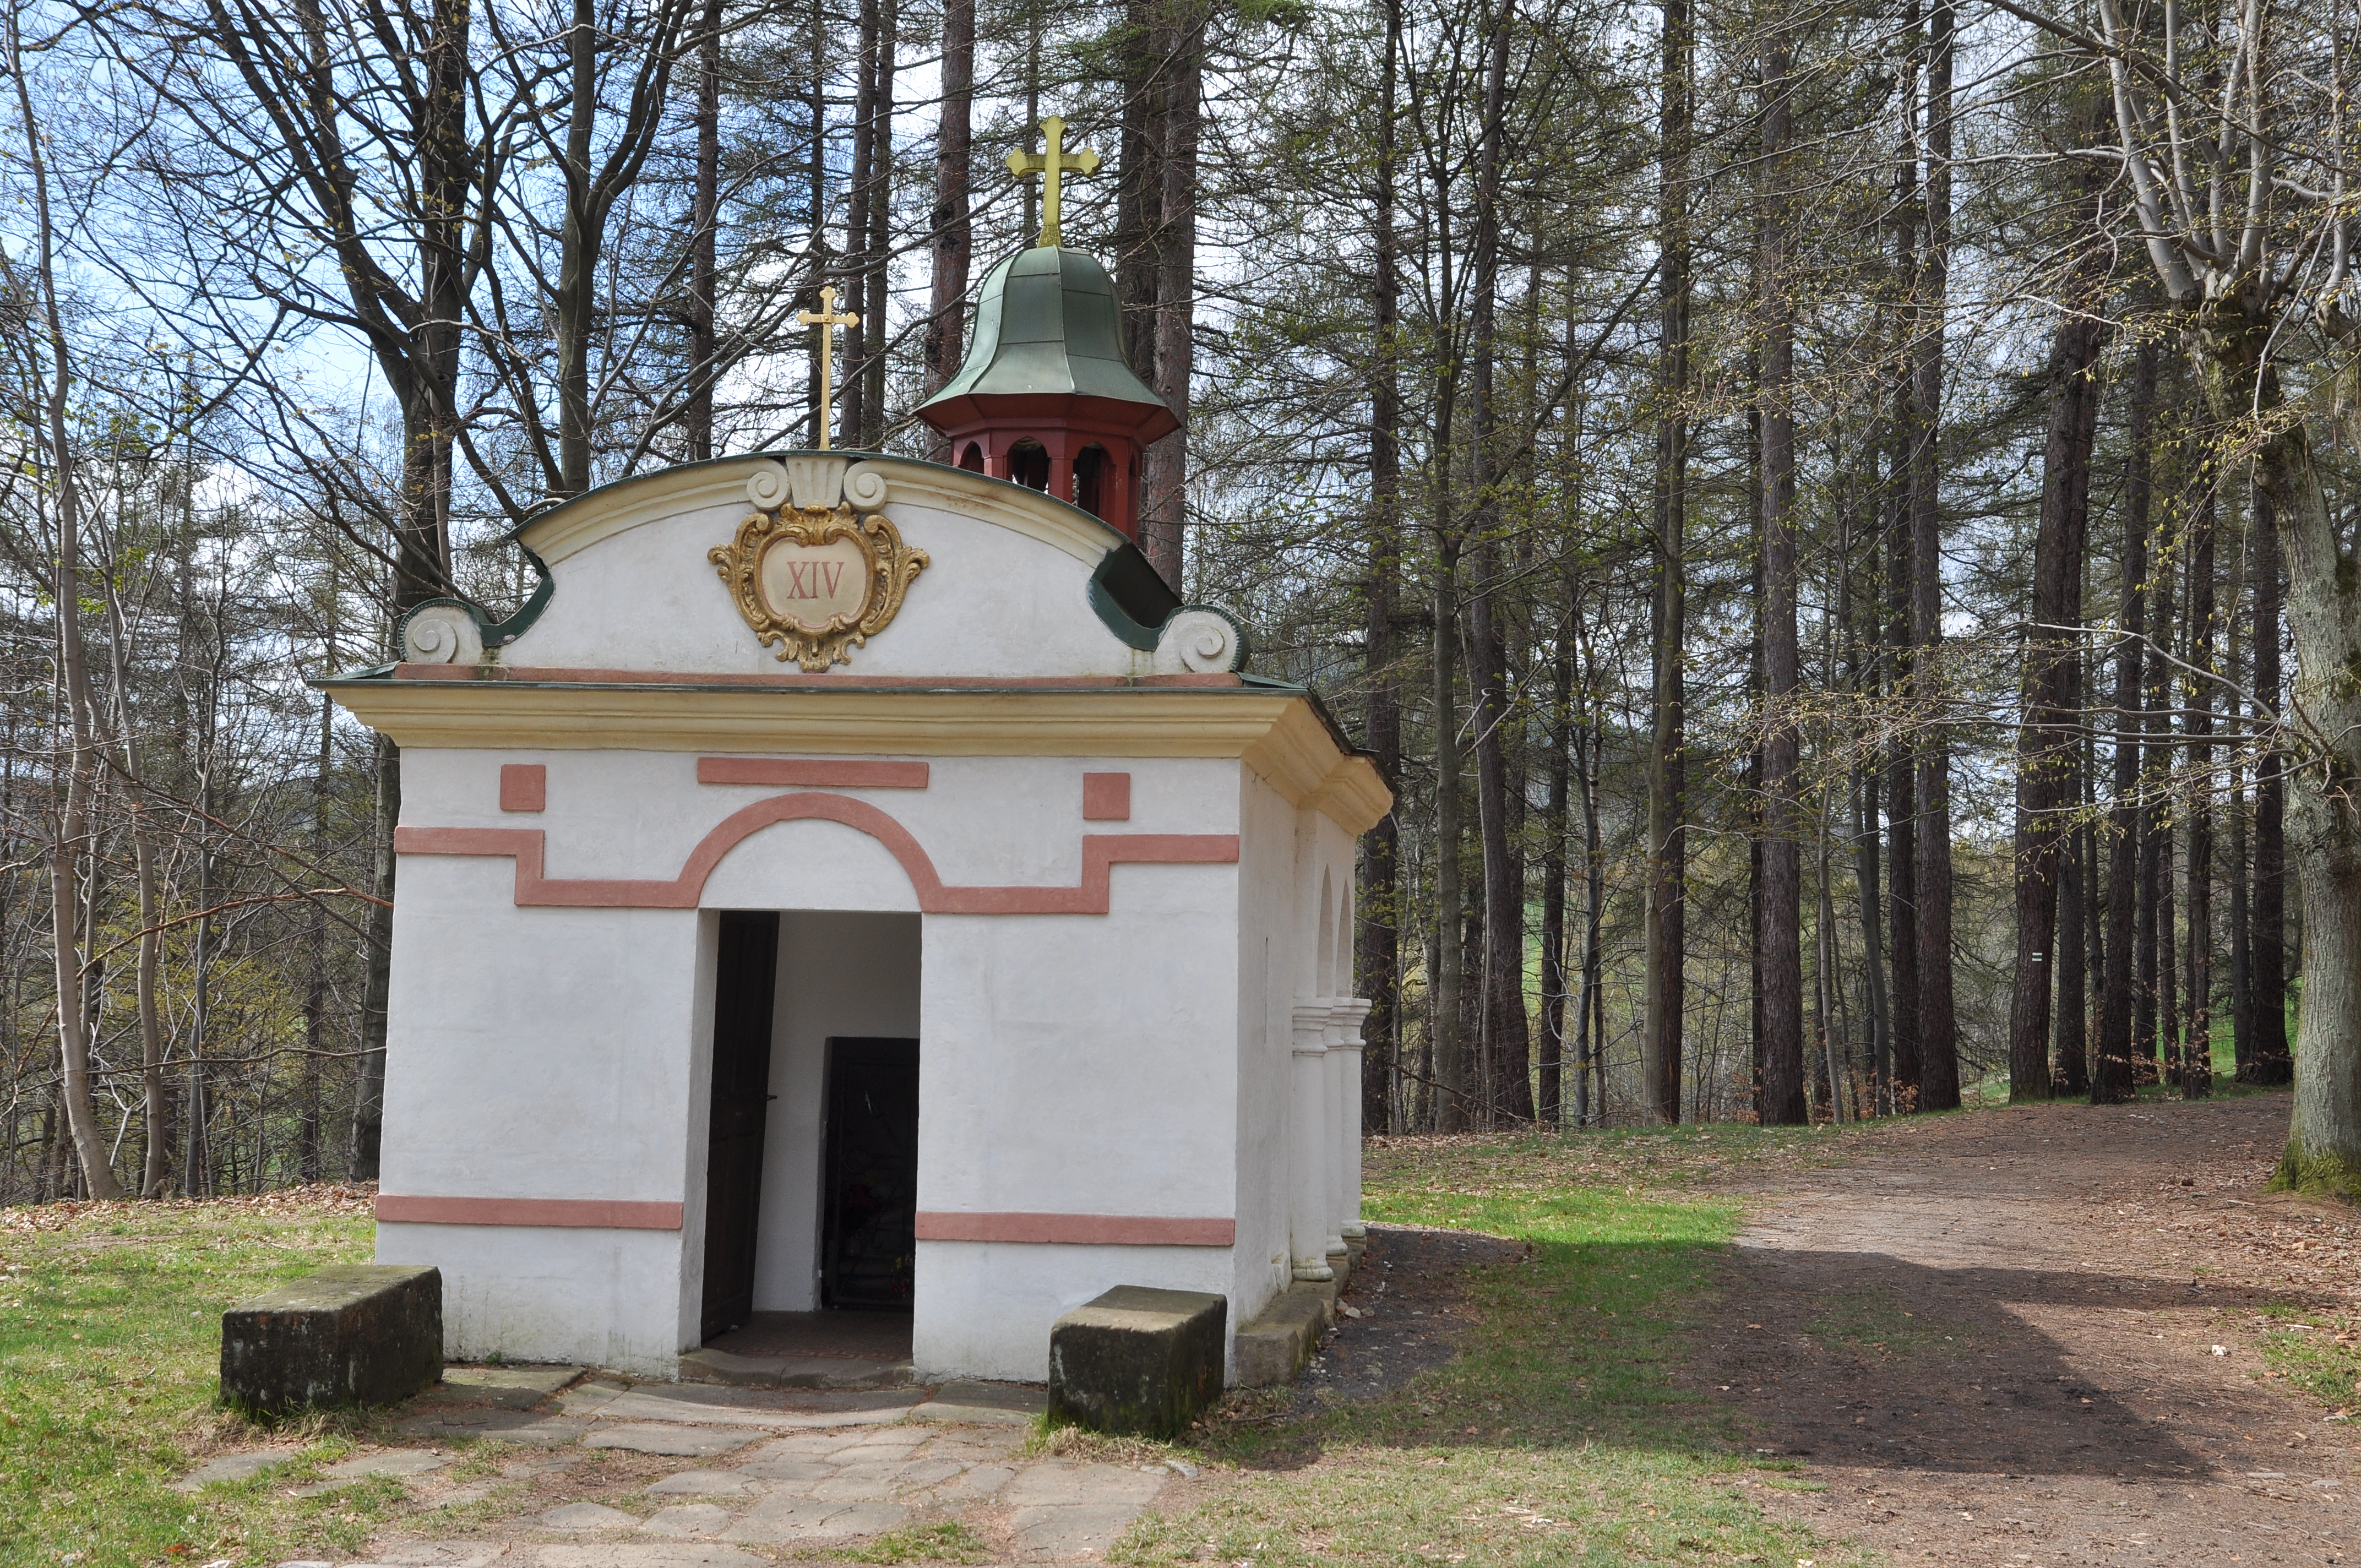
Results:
1046 398
855 887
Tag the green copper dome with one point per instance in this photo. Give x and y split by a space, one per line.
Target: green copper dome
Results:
1047 326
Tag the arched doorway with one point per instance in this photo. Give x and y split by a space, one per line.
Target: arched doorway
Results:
812 1145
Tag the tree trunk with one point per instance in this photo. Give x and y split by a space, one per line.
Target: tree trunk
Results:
876 312
1901 789
2112 1075
315 945
368 1093
2266 930
1778 934
2197 1063
71 840
1549 1104
1590 1017
1506 1090
1442 1024
817 22
2237 885
1140 182
155 1096
2071 1032
1938 1056
1827 982
853 388
1749 789
952 227
2153 1010
1872 956
2324 1148
2047 745
1380 906
578 265
704 213
156 1167
1666 851
1164 473
200 1169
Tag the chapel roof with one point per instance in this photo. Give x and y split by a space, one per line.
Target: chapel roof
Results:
1047 324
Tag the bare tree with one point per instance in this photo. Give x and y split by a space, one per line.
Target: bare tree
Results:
2244 216
71 837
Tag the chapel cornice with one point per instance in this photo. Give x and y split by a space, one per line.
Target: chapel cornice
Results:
1278 732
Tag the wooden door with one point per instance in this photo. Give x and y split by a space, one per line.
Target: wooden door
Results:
870 1246
745 980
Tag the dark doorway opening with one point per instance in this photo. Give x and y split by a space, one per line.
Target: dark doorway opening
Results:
1090 481
744 980
869 1192
1029 464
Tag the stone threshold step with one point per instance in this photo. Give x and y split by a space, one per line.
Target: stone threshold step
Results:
707 1365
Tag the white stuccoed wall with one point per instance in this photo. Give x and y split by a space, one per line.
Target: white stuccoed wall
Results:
986 1311
1267 942
990 602
544 1053
1068 1063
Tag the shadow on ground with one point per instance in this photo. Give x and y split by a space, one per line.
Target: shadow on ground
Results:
1857 1359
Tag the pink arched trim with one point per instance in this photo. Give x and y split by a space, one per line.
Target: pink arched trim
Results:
1102 853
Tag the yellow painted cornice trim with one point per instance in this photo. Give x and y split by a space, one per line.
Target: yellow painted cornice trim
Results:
567 531
1298 756
1276 734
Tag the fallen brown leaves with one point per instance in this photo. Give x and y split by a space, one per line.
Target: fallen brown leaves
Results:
324 1198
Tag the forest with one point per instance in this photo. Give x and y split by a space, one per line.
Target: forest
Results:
1834 518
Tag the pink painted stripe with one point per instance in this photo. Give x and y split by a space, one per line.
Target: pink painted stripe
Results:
799 770
580 1213
1090 1230
1102 853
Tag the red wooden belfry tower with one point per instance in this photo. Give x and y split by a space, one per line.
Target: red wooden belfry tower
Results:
1045 397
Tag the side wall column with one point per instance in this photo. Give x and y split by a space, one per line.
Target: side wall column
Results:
1332 1064
1308 1158
1347 1051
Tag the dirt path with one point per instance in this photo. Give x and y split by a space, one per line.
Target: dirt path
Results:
1991 1338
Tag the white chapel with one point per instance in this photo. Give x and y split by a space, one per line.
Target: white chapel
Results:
859 885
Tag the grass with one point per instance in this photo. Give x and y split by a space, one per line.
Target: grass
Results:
110 1348
2317 1353
1991 1088
1559 1435
950 1541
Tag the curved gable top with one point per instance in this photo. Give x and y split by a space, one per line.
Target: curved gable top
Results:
990 581
1025 628
575 525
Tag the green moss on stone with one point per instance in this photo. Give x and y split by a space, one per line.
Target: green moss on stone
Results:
2319 1175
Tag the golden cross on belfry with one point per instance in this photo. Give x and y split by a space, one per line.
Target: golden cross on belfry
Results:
826 319
1050 165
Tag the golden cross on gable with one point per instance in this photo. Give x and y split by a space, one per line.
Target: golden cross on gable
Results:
826 319
1050 165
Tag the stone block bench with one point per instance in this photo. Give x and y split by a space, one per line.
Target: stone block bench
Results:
1139 1361
1278 1343
356 1334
